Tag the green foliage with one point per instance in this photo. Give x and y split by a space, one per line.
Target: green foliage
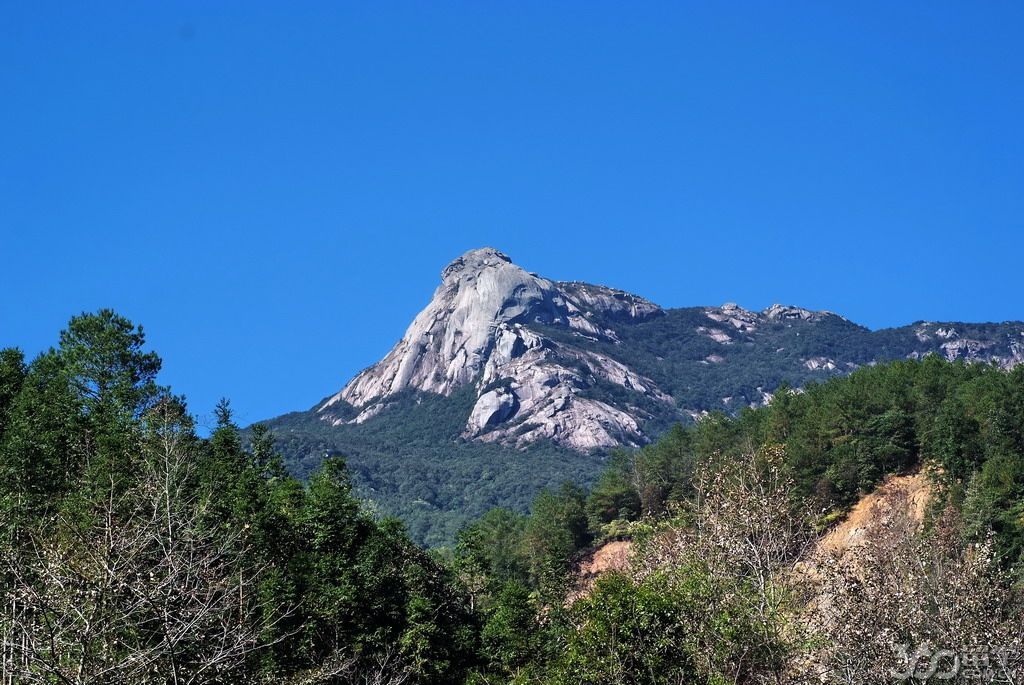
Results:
410 462
301 580
490 552
672 626
995 502
630 632
614 495
555 531
41 445
108 369
513 636
12 376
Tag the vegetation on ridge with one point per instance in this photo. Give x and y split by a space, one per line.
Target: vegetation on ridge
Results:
411 462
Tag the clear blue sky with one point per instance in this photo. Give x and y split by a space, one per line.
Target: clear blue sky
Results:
271 189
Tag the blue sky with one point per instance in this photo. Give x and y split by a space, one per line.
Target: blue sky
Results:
272 189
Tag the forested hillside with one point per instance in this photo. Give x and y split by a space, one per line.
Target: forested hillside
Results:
727 582
135 551
412 463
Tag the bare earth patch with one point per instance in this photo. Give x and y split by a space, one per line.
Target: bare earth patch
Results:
607 558
897 496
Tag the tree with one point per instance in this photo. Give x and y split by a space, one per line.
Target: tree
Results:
489 554
994 503
907 606
107 366
138 591
556 530
956 441
43 448
630 633
615 495
12 377
513 637
889 445
265 458
740 535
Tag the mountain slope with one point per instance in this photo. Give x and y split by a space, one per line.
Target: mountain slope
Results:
508 382
410 462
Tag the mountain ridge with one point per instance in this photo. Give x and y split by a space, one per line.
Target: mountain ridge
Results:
534 347
508 382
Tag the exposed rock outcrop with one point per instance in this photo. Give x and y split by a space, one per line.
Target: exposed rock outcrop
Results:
491 409
474 330
820 363
958 343
782 312
730 313
448 343
615 306
737 320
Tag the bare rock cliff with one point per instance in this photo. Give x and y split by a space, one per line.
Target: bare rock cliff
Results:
474 331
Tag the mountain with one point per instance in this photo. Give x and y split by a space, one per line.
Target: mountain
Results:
508 382
485 327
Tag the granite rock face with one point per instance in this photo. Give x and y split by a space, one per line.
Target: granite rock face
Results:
961 343
475 331
448 343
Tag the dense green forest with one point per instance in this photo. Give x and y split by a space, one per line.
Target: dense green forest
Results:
135 551
411 463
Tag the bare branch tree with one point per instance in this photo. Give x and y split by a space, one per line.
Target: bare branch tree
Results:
903 606
137 589
743 529
341 666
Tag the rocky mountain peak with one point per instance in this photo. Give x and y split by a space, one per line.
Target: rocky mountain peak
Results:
484 326
473 262
449 342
